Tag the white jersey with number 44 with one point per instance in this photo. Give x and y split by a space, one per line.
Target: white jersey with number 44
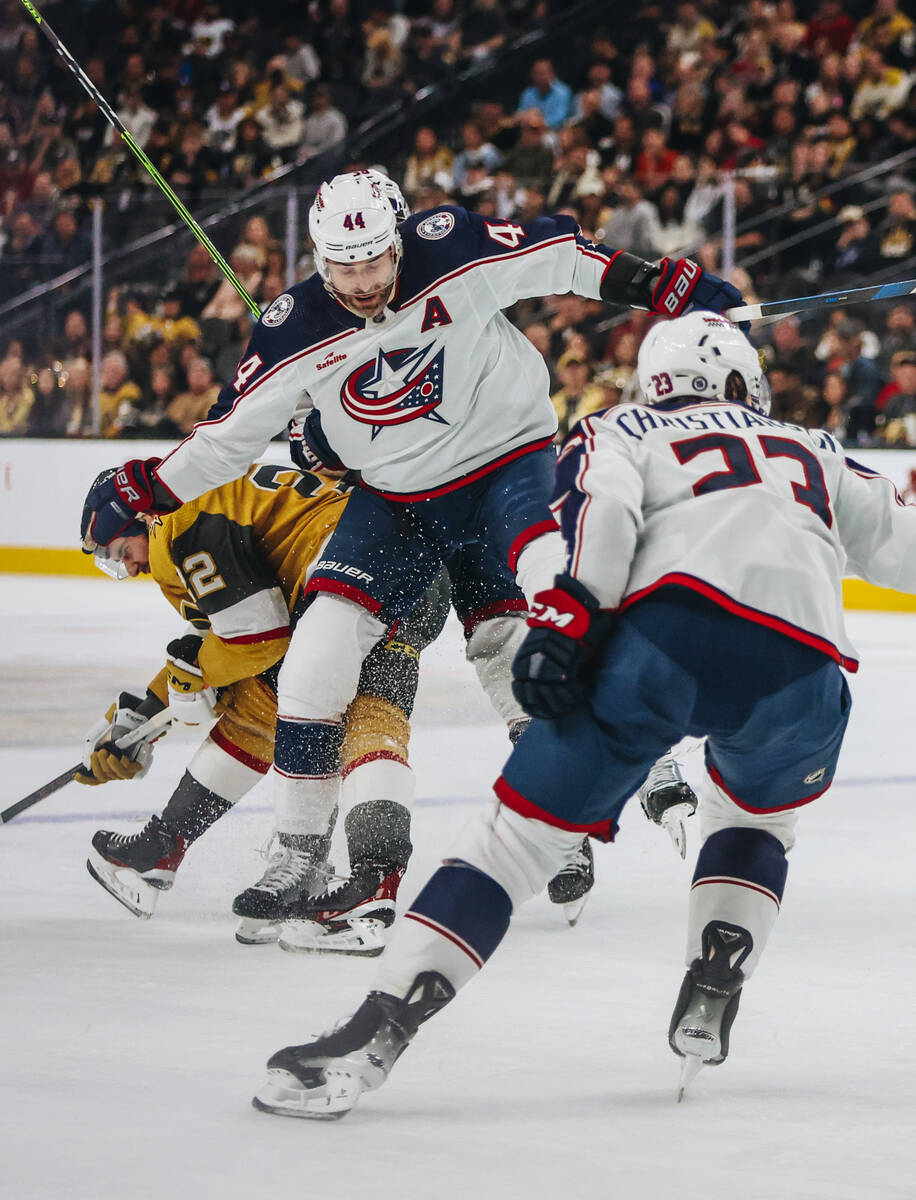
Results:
439 388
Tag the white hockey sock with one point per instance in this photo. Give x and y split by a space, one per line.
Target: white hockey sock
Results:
490 649
739 880
318 679
376 776
304 805
221 772
417 946
540 562
375 799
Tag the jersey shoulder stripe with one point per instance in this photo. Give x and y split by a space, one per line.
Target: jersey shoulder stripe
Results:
468 239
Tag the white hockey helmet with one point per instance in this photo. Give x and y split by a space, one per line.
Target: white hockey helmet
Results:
352 221
695 356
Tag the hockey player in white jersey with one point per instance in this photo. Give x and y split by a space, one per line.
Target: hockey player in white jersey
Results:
398 359
707 544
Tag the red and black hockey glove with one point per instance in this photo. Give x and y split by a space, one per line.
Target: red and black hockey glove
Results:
682 281
551 673
117 497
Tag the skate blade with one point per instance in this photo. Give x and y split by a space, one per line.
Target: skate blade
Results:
284 1095
691 1065
672 821
127 887
573 910
363 936
253 931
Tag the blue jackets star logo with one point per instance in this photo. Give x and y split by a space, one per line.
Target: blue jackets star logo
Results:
396 387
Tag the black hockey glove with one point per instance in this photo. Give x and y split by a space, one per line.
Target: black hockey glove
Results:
667 287
551 673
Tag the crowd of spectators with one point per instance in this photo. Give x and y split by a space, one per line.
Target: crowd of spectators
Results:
633 127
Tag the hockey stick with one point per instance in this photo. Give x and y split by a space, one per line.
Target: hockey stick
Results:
774 308
142 733
112 118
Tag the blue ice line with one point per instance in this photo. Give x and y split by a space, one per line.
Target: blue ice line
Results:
428 802
133 813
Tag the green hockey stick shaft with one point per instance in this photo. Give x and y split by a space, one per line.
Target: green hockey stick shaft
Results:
112 118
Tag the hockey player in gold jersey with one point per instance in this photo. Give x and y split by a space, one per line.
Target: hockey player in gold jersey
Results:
234 564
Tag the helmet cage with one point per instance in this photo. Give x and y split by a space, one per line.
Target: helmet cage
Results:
111 567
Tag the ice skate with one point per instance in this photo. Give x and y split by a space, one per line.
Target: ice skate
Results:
668 800
292 872
571 886
323 1079
352 919
708 1001
135 868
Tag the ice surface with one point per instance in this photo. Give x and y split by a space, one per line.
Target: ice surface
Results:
130 1049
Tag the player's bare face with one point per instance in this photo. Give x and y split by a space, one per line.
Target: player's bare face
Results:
132 552
364 288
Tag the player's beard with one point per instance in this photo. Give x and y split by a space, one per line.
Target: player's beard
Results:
368 305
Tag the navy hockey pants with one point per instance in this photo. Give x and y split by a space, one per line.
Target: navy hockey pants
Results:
773 711
385 553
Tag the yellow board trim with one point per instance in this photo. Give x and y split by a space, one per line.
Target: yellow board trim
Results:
859 594
38 560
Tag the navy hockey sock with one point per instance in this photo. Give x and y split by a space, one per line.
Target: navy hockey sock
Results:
466 906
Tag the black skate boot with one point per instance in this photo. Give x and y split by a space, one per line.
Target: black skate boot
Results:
136 867
324 1078
668 800
571 886
708 1001
351 919
296 868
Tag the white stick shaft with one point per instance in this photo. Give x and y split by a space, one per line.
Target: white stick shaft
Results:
145 732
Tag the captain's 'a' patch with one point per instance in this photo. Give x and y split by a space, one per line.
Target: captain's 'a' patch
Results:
439 225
